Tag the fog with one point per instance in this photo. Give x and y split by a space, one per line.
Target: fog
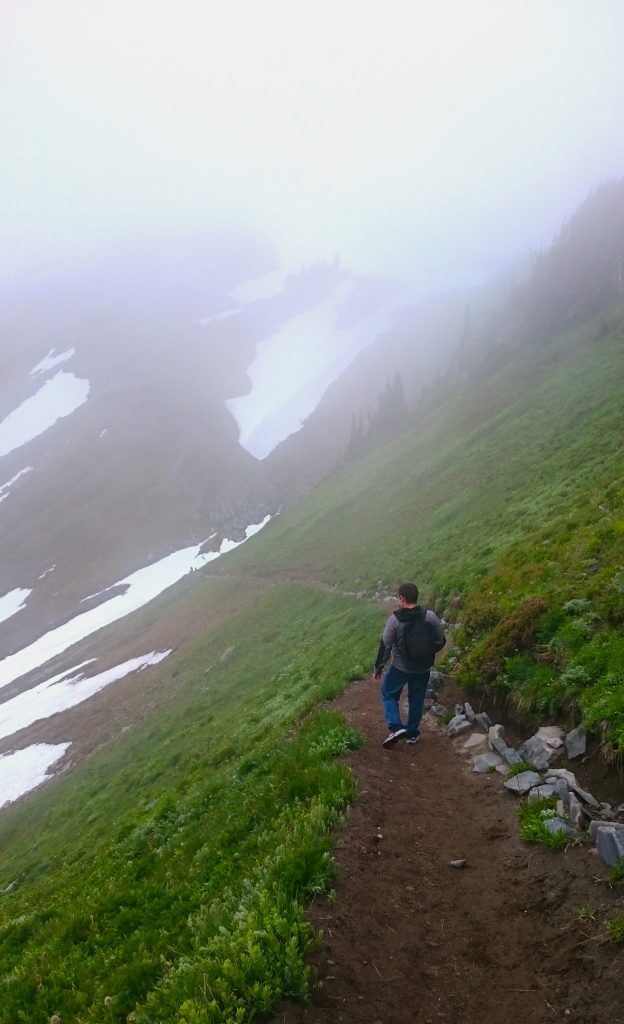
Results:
428 144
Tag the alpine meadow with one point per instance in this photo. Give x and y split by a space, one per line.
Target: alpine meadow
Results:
166 876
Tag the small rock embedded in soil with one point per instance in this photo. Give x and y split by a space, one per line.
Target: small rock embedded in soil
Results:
557 825
610 844
483 763
458 863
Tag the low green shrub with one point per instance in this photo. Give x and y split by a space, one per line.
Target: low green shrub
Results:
532 817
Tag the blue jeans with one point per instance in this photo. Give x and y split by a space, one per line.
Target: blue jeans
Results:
392 688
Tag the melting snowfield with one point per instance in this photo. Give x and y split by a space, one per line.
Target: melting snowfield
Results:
59 397
142 586
285 390
25 769
13 602
64 691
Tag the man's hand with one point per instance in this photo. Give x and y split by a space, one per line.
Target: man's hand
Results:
376 674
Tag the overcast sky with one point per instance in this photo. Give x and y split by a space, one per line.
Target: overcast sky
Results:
428 140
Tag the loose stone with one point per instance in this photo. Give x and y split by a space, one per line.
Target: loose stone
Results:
541 793
557 825
523 782
610 844
457 725
474 742
483 720
485 762
576 743
595 825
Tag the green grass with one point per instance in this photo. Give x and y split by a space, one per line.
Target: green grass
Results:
197 839
532 830
517 769
166 879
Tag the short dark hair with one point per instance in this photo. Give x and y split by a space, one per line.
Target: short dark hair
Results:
409 592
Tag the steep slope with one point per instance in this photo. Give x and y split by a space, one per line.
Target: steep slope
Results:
166 878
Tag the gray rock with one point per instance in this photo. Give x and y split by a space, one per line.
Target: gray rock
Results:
475 742
483 720
586 797
523 782
458 863
459 709
495 731
575 810
541 793
512 756
562 790
457 725
610 844
483 763
552 735
575 743
499 744
563 773
557 825
595 825
469 712
438 710
436 679
534 751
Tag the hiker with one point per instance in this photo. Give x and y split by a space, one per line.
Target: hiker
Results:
411 638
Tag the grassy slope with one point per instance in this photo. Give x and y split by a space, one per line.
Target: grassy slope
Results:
168 875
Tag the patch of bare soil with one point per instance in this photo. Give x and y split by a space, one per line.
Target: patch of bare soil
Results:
518 933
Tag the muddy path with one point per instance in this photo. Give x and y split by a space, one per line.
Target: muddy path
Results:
518 933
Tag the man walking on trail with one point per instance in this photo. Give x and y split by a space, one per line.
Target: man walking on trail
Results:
411 639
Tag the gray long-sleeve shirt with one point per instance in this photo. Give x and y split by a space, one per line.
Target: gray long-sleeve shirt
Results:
390 645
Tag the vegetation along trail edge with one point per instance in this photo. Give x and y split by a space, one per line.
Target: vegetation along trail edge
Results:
410 938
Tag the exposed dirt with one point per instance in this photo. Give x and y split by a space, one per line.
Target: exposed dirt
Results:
518 933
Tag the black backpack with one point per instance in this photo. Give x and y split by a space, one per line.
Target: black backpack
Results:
417 644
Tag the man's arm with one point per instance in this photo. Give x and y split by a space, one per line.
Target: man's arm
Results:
385 646
438 630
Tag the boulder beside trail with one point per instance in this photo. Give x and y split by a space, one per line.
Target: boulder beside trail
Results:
595 825
575 743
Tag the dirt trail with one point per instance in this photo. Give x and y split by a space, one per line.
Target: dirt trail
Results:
409 938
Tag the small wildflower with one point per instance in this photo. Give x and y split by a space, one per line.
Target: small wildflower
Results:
108 1000
55 1019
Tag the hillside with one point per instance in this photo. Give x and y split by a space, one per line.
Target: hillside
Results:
166 876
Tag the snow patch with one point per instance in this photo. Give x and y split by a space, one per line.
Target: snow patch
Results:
26 769
293 368
256 288
50 361
13 602
61 693
4 488
142 586
59 397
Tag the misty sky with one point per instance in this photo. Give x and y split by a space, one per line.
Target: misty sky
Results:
431 141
